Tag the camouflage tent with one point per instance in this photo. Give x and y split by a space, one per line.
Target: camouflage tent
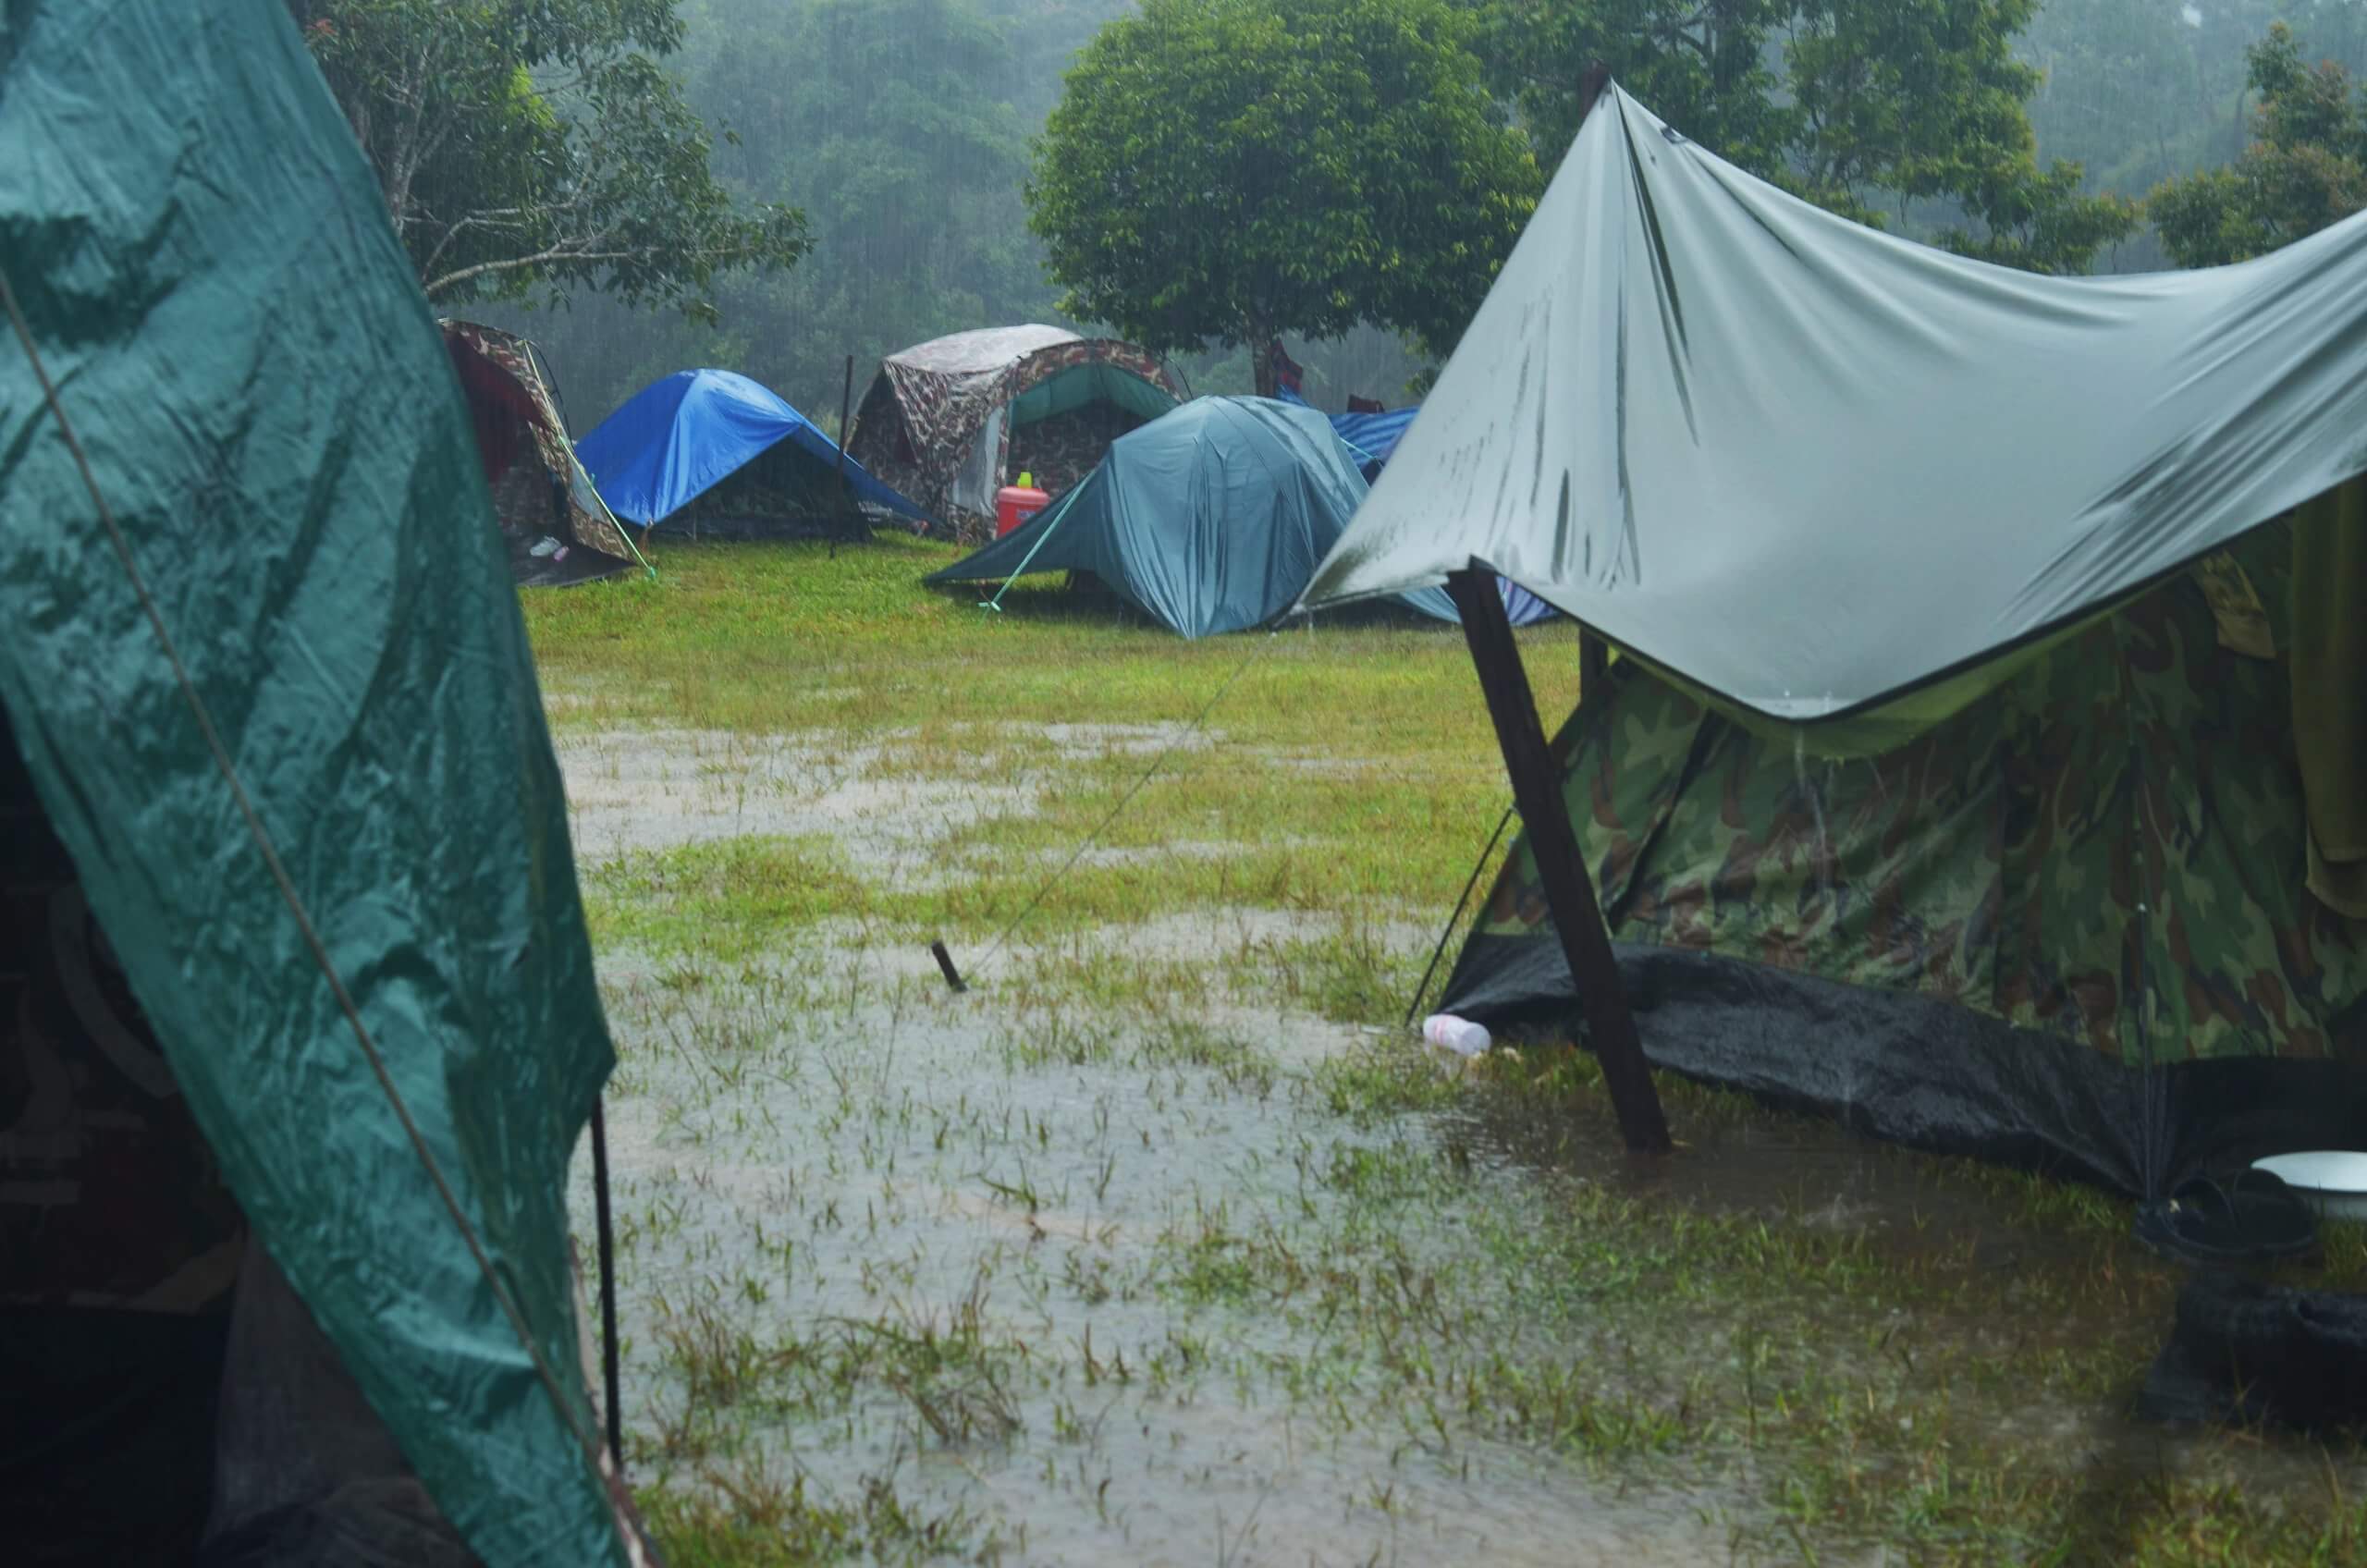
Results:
554 526
950 421
1964 939
1988 757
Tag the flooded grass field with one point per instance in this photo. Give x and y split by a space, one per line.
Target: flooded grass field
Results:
1163 1244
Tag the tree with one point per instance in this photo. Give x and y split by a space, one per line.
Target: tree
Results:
2306 170
1702 65
528 146
886 121
1910 110
1220 172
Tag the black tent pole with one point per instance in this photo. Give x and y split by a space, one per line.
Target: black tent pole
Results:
1561 864
846 409
609 1376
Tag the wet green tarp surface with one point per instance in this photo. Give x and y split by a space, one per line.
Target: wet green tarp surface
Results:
1211 517
272 418
1807 465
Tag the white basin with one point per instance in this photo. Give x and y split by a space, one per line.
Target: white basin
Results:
2334 1182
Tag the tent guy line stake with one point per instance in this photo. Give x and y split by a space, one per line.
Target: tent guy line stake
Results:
1051 521
846 402
953 980
1123 801
611 1486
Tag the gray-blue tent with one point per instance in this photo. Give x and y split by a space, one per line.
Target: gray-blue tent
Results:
1211 517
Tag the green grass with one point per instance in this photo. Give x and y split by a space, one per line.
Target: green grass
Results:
1354 770
1421 1263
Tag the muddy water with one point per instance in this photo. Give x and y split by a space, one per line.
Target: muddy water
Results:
874 1235
835 1152
893 1167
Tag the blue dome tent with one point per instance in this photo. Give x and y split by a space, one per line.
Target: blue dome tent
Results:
679 439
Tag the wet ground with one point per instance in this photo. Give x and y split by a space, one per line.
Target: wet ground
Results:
1086 1265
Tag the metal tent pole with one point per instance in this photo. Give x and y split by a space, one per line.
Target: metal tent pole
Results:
1560 865
846 408
608 1373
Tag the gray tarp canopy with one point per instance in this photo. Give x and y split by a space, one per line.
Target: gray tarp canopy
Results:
1811 466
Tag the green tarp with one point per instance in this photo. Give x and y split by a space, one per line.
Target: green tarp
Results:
271 417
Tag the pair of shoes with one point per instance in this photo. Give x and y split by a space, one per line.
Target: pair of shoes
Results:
2251 1217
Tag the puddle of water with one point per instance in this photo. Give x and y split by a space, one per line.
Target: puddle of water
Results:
789 1171
656 789
871 1230
1085 742
1817 1175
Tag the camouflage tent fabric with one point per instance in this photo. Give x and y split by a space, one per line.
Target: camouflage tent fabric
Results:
2100 861
540 491
940 420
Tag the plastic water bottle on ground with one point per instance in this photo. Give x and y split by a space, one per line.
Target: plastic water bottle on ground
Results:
1460 1035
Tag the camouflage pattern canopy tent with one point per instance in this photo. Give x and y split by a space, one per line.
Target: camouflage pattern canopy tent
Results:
950 421
1979 938
554 526
1984 763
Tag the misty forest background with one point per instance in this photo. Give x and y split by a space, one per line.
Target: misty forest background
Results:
902 128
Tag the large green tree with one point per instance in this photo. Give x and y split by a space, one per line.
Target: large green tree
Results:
1704 66
1220 172
2305 170
1896 111
531 147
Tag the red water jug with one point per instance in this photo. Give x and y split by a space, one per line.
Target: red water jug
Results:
1015 504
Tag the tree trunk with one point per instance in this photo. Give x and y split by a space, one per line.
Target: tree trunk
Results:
1261 357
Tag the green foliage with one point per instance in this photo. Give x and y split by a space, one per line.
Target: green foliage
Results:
886 121
2306 171
1221 171
898 127
1865 107
534 147
1703 66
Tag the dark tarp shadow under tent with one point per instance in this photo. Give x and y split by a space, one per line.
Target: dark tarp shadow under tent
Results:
1988 767
724 456
553 523
952 421
299 902
1210 519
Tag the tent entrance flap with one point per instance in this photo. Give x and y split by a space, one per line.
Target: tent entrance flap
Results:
1094 381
